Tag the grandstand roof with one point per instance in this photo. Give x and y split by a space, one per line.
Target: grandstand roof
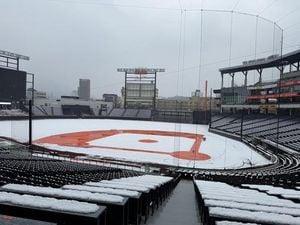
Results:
290 57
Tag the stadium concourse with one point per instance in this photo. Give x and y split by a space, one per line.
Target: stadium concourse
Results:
89 171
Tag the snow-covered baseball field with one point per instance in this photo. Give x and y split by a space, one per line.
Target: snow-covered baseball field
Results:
139 147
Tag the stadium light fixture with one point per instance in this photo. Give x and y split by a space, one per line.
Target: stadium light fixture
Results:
14 55
140 70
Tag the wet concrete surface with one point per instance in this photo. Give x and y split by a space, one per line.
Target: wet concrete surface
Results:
180 208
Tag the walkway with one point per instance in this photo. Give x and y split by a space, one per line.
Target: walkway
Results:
180 208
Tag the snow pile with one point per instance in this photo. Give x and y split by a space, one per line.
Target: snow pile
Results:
108 184
276 190
12 112
138 183
47 203
257 217
55 192
131 183
233 223
112 191
252 207
147 179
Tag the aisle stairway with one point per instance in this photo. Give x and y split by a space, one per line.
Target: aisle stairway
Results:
180 208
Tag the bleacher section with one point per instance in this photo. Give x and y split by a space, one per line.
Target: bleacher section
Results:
77 110
284 169
63 111
70 110
176 116
56 173
221 203
12 112
119 113
144 114
130 113
264 127
66 192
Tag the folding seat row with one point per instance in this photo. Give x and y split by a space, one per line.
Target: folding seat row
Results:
262 126
55 173
49 209
220 201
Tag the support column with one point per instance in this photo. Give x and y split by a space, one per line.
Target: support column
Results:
30 123
18 63
222 80
154 100
232 87
232 80
260 75
125 93
245 80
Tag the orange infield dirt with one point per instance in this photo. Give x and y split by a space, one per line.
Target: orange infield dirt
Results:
82 139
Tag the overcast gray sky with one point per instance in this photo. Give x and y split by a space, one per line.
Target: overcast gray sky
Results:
71 39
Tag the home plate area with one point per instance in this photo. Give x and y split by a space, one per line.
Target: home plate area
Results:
146 141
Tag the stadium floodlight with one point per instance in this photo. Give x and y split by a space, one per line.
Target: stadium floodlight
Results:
14 55
140 70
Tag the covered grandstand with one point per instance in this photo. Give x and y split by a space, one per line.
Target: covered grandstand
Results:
278 96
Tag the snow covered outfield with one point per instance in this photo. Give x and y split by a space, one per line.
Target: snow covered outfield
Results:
223 152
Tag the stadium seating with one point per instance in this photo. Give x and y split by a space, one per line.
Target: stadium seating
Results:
284 130
116 112
284 169
59 211
144 114
220 202
130 113
119 113
124 196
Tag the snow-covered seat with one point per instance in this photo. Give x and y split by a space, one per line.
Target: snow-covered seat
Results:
153 189
216 213
225 222
271 190
117 206
118 185
221 201
51 209
134 198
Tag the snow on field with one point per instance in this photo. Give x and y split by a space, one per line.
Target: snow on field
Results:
224 152
165 144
